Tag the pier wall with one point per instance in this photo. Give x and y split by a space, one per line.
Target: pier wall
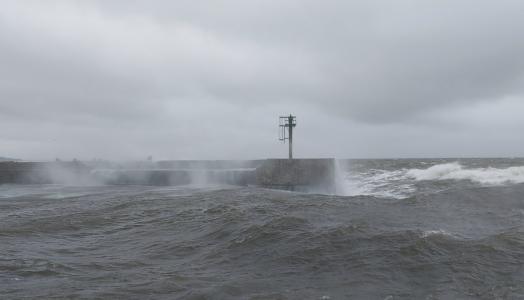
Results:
167 177
210 164
43 172
305 175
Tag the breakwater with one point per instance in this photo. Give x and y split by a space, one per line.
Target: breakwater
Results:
307 175
44 172
166 177
304 175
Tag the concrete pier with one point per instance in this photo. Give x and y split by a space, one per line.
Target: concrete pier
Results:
305 175
43 172
167 177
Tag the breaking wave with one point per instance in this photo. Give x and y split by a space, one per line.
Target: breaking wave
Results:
455 171
378 183
404 182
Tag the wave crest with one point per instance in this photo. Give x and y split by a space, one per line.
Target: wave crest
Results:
455 171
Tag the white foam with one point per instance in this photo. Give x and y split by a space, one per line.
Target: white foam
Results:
455 171
402 183
59 195
439 232
377 183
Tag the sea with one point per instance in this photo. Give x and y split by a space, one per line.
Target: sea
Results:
395 229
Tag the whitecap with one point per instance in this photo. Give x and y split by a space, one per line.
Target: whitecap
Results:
378 183
455 171
439 232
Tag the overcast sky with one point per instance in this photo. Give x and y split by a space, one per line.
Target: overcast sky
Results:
208 79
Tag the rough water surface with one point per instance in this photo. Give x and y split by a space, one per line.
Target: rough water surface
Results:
409 229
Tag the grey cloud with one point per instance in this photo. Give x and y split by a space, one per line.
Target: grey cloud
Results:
409 56
150 75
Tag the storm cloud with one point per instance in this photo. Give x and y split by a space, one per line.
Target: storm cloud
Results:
208 79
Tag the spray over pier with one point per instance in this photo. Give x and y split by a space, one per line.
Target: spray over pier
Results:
305 175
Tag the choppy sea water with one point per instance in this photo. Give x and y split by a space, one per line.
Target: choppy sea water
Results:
400 229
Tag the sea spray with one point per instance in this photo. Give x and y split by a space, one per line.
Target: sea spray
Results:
342 188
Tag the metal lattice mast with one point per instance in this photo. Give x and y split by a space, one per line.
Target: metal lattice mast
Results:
287 122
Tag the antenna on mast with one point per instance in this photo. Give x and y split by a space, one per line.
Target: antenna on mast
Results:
287 122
